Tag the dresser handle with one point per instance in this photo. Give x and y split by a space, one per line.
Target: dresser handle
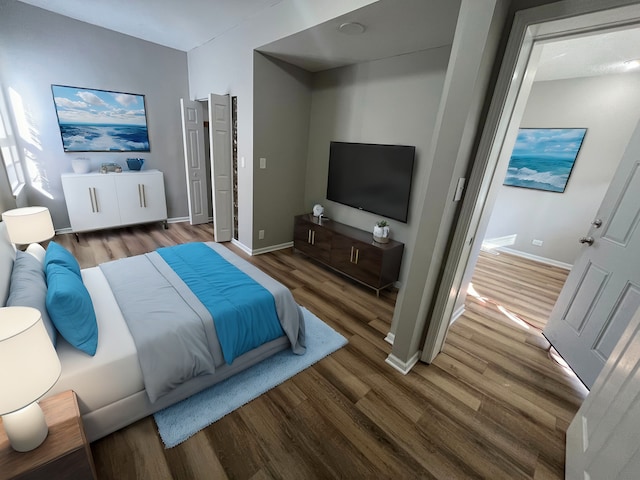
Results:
140 195
357 255
94 200
144 196
309 236
313 237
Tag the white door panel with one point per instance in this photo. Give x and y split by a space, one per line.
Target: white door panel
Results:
603 288
221 166
604 437
195 158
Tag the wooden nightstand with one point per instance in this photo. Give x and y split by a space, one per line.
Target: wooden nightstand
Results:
65 453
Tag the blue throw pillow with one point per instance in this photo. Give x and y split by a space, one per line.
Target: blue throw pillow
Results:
57 254
28 288
71 309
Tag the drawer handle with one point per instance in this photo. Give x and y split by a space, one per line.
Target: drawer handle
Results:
355 254
313 237
309 237
95 208
142 196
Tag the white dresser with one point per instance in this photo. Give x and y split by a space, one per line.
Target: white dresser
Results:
104 200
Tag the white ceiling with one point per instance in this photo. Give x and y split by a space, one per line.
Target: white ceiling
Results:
393 27
179 24
589 56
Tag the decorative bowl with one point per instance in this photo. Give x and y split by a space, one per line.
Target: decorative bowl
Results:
135 163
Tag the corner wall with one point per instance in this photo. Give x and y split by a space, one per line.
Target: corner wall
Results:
281 106
39 48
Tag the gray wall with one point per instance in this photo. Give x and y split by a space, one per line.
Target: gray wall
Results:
281 110
609 107
39 48
225 65
391 101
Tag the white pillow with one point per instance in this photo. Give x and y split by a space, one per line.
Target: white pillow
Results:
37 251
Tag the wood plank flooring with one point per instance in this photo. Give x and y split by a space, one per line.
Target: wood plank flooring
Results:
492 405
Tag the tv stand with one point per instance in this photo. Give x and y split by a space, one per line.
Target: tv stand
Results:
348 250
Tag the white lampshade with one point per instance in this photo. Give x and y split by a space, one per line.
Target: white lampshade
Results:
30 364
28 225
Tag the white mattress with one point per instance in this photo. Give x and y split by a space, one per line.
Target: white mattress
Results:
114 372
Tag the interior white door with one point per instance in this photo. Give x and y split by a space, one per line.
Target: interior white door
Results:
604 436
221 166
195 161
602 291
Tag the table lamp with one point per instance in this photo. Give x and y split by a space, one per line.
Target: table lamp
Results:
30 367
28 225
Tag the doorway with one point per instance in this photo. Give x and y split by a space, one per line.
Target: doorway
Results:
530 220
533 28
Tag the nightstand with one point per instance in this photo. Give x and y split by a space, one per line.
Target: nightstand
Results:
65 453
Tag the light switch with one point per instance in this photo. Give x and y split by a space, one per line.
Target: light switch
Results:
263 162
241 162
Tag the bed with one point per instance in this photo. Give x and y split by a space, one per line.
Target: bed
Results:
112 386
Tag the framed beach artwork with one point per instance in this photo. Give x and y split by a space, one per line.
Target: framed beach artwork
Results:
100 121
543 158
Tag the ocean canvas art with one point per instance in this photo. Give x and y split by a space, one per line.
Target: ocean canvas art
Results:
543 158
100 121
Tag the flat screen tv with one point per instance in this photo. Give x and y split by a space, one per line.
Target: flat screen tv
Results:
371 177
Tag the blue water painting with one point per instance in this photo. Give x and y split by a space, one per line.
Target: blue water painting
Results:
104 138
543 158
93 120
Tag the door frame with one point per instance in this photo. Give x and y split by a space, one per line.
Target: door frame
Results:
530 27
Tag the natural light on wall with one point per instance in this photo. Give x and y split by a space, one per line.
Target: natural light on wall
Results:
32 145
9 150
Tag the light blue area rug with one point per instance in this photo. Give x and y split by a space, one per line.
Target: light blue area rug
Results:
180 421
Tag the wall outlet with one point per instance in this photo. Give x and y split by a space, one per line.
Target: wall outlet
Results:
263 162
537 243
260 234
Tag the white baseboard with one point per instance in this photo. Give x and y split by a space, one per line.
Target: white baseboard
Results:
530 256
241 246
390 338
272 248
489 244
177 219
399 365
457 314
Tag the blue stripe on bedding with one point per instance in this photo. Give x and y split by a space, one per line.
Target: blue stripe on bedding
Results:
224 290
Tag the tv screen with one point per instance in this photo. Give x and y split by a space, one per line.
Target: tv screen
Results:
370 177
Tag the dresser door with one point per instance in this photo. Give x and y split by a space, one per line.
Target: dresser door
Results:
357 259
91 201
141 197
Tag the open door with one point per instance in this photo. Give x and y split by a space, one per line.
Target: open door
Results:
602 291
221 166
195 161
603 438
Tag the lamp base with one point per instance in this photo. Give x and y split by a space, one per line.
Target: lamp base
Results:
26 428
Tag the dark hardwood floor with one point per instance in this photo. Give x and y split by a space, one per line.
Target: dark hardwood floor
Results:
492 404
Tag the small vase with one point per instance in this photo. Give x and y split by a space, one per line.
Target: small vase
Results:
381 234
81 165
